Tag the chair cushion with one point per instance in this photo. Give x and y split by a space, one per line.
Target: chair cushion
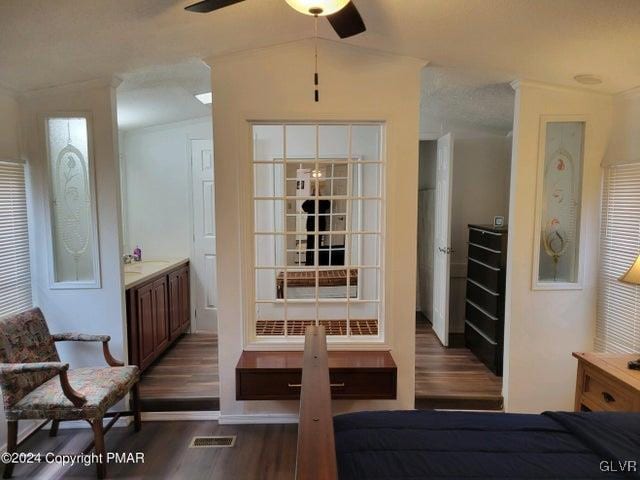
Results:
103 388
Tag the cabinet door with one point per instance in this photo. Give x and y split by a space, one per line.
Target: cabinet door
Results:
175 304
161 317
145 318
185 298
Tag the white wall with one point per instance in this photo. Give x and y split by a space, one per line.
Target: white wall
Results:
81 310
542 328
156 164
275 84
9 120
625 136
481 171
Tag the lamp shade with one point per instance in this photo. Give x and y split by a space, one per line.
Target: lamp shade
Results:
317 7
633 274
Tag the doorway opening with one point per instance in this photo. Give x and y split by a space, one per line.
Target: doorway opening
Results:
463 203
167 185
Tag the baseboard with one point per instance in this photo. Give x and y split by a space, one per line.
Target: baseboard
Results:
179 416
68 424
258 419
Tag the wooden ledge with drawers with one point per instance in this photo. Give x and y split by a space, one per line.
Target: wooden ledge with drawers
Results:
353 375
605 383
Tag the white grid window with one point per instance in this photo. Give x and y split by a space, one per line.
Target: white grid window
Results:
318 205
15 274
618 321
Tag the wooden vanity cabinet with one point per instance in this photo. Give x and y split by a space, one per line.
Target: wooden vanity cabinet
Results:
179 301
158 312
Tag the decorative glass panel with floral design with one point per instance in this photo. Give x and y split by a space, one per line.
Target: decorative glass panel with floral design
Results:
74 253
561 199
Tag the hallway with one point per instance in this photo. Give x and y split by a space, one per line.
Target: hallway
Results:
452 378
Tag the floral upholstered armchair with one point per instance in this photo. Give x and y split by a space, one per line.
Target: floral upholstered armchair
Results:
37 385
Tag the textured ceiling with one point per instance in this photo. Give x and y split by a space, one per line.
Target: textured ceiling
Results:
455 99
44 43
162 94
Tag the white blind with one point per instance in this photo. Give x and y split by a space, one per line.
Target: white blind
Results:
15 276
618 322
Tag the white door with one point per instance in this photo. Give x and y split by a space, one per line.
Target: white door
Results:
442 239
203 266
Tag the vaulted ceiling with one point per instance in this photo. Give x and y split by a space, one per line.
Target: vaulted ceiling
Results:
45 43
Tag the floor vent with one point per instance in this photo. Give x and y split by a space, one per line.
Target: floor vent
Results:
213 442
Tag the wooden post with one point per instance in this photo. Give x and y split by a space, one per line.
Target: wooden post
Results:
316 457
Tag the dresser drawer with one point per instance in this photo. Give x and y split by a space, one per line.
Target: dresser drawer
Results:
488 352
370 385
263 385
607 394
485 239
353 375
485 275
490 325
492 258
485 299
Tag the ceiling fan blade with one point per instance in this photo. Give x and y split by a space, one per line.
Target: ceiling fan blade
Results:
207 6
347 22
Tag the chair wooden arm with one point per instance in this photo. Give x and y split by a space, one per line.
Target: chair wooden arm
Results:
82 337
36 367
76 397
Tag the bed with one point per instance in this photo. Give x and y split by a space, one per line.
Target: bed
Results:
399 445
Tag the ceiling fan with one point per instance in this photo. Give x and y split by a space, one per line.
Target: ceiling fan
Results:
342 14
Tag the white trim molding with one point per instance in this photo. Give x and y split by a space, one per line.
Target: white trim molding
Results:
196 416
258 419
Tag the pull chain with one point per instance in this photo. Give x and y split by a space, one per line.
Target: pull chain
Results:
315 75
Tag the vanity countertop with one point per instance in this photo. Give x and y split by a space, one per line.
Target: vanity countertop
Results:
137 273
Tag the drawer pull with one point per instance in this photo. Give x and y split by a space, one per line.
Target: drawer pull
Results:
299 385
608 397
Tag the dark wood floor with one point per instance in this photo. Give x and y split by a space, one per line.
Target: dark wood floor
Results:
261 452
185 377
452 377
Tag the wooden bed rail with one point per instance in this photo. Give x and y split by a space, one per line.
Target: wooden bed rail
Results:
316 457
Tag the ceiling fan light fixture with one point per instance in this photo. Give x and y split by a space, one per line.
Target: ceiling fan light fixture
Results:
320 8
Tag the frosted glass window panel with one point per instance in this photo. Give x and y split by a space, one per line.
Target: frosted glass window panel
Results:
333 141
73 221
366 142
268 143
301 141
561 200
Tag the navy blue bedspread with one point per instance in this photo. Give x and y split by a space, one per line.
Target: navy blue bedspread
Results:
434 445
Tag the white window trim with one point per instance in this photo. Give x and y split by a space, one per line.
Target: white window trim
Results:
96 283
536 284
253 342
